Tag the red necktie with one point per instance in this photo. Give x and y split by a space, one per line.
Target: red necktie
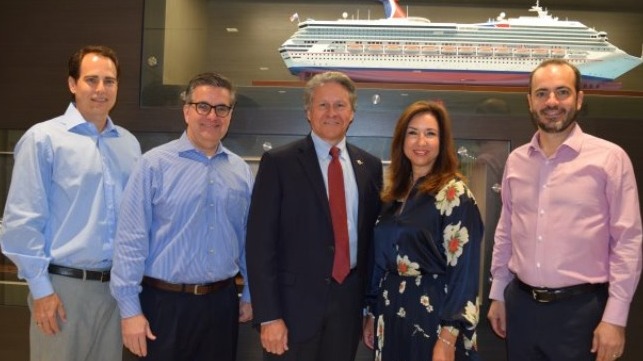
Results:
337 201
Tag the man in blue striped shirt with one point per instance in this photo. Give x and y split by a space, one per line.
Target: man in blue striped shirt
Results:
180 240
60 216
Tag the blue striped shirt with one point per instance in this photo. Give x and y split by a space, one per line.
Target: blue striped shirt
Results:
65 191
183 220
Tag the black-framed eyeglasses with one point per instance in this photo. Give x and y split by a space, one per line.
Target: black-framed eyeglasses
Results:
203 108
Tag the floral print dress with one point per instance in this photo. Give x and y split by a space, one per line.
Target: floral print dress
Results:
426 274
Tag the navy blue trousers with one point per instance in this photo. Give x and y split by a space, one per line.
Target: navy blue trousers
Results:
557 331
190 327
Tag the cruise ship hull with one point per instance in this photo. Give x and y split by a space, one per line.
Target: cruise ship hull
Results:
499 52
445 77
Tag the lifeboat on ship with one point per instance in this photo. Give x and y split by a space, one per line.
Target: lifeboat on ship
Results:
540 53
466 50
522 52
393 48
374 48
354 48
448 50
412 48
558 53
501 51
430 49
484 50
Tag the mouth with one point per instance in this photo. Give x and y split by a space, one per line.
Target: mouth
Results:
552 113
211 125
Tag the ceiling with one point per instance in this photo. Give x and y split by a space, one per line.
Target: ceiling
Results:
590 5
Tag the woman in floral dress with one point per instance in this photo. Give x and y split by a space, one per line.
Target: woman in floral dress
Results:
423 295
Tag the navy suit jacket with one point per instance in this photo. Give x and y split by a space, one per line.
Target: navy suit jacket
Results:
290 243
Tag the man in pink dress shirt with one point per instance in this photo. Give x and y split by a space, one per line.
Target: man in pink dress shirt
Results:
567 252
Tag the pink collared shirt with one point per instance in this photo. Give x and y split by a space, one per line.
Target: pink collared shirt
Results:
568 219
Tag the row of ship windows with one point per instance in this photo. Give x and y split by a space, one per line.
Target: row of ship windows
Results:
450 59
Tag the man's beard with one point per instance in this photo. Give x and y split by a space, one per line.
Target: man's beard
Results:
556 127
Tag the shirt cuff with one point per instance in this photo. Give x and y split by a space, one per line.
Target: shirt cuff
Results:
40 286
497 290
129 306
616 312
245 294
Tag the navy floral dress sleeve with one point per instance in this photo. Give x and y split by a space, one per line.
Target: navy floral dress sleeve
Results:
426 274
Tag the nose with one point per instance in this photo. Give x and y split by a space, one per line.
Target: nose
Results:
551 98
332 110
100 85
212 115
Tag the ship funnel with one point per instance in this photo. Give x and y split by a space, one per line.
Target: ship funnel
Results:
392 9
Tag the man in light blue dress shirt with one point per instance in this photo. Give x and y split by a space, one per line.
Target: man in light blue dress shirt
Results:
61 211
181 236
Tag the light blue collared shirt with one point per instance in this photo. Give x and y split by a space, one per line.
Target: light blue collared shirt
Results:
66 187
350 186
183 220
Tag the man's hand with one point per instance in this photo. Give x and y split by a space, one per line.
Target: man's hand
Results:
46 311
135 330
608 342
368 333
274 337
245 311
498 318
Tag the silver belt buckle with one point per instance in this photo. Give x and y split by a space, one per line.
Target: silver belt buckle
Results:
196 290
536 293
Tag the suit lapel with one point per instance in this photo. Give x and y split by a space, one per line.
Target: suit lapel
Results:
308 160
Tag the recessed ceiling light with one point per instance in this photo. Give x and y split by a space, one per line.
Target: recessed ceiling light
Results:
232 30
263 68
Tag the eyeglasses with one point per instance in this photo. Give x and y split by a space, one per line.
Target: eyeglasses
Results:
204 108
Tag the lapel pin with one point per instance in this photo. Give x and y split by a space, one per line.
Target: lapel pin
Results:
359 161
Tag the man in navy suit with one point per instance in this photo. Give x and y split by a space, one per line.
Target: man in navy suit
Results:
303 312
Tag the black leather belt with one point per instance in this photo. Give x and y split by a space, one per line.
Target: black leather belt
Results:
544 295
102 276
195 289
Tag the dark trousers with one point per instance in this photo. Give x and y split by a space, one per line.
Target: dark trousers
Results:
341 331
190 327
557 331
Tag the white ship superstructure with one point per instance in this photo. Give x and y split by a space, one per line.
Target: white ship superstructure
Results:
501 51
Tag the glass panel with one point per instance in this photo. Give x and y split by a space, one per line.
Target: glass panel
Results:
242 38
12 290
481 162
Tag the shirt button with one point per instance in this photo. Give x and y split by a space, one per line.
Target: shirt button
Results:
211 251
537 264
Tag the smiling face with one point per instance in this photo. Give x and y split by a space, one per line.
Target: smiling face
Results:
422 143
553 101
330 112
206 131
96 88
